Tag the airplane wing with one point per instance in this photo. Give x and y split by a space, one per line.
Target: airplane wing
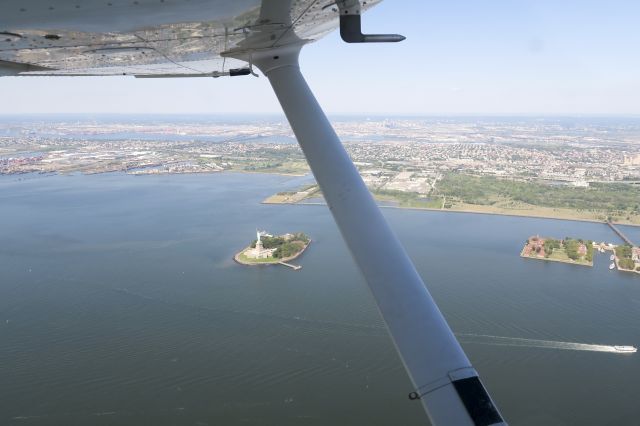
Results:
199 38
148 37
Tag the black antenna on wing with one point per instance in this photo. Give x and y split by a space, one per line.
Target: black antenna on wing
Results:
351 25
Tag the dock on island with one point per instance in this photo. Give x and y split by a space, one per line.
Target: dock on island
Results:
294 267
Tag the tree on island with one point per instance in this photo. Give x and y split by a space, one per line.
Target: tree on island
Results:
549 245
300 236
288 249
623 251
627 264
571 248
589 256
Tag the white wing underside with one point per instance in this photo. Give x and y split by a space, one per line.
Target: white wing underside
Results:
149 37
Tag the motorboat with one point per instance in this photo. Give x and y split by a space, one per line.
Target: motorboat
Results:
629 349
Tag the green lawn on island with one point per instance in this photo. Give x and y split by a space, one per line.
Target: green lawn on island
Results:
561 254
242 257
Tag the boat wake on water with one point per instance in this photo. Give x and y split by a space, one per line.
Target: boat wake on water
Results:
485 339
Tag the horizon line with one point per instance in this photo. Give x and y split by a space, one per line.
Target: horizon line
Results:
349 114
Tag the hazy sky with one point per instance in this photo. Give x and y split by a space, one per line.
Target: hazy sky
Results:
460 57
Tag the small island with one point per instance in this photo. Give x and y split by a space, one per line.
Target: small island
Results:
569 250
268 249
625 257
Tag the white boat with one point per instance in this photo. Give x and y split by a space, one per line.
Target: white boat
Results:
629 349
613 265
612 257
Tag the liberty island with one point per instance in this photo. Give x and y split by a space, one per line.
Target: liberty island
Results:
267 249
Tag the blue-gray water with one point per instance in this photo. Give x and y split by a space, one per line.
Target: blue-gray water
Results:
120 304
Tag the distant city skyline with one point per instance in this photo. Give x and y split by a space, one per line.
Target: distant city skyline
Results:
465 58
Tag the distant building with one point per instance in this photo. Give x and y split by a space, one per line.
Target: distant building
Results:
582 250
631 160
579 183
259 252
535 245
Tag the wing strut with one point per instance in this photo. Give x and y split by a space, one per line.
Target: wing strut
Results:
444 380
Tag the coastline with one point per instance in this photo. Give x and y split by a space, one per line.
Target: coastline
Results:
236 257
512 214
469 211
264 172
133 173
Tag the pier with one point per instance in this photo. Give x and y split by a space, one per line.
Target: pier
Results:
620 234
294 267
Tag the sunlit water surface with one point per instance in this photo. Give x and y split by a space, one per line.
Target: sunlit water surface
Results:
120 304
